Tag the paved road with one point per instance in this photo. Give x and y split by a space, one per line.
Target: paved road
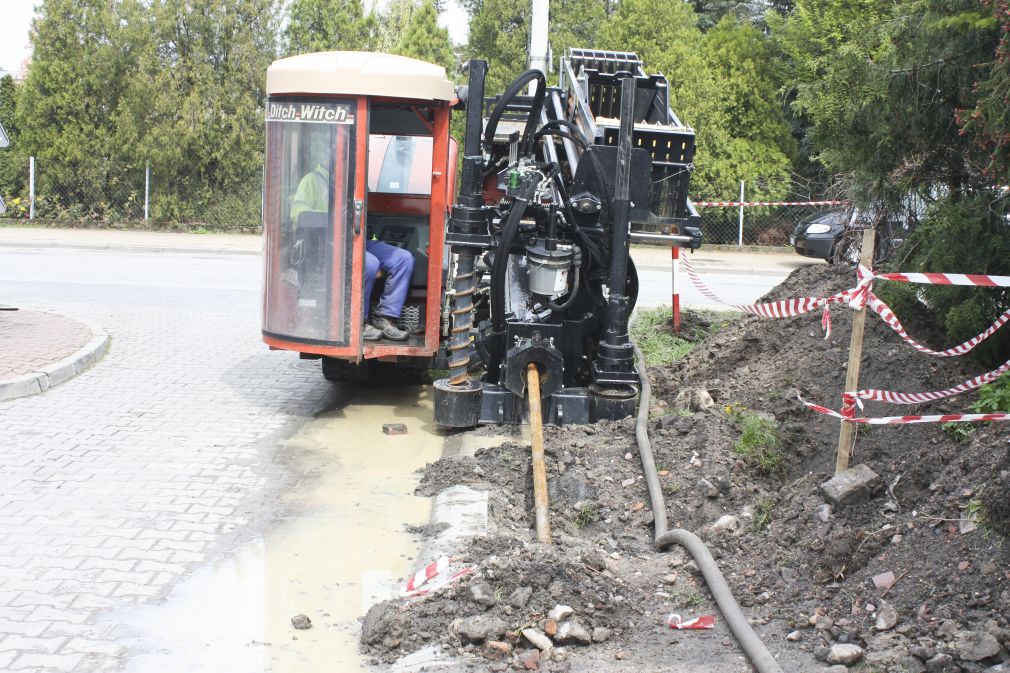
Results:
117 484
734 288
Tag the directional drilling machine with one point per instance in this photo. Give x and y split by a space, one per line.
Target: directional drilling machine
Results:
525 273
554 186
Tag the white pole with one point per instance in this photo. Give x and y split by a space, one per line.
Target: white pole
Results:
147 190
31 188
740 238
539 44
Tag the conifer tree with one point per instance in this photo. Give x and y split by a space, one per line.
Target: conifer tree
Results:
425 40
327 25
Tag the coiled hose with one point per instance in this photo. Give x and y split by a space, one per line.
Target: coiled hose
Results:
752 646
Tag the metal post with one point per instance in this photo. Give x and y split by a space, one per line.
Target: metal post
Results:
675 252
740 239
539 44
31 188
147 191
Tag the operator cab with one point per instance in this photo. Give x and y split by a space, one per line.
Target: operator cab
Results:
357 147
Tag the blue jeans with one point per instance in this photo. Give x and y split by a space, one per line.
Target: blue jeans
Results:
399 267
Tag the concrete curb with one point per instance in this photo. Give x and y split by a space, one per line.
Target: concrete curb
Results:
59 371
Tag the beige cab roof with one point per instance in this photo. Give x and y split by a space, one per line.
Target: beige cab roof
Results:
359 73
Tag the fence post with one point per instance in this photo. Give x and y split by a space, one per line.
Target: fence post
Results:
147 190
740 239
675 252
848 429
31 188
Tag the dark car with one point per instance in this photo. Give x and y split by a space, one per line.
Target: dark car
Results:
816 235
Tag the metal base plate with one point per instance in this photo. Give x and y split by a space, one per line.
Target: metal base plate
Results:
569 406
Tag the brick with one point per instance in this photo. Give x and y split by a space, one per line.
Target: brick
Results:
48 662
34 644
19 627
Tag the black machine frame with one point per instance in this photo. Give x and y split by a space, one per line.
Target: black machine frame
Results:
553 183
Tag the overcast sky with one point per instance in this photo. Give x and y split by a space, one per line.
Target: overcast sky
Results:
16 18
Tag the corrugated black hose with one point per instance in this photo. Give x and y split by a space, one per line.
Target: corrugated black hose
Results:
752 646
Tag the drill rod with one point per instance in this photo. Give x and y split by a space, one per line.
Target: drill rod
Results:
537 444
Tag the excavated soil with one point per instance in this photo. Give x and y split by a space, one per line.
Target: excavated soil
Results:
915 573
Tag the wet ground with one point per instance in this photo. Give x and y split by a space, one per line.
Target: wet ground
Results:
341 547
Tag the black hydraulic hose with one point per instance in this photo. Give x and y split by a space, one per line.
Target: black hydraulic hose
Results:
566 124
752 646
499 109
572 294
546 131
566 204
501 258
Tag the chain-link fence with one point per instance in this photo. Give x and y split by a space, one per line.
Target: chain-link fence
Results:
758 220
110 195
130 196
757 224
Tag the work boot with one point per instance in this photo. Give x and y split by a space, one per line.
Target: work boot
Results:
370 333
388 328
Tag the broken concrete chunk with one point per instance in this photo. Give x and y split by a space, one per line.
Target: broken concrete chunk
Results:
394 428
845 654
521 596
850 486
480 627
560 613
537 639
976 646
886 618
482 594
301 622
573 632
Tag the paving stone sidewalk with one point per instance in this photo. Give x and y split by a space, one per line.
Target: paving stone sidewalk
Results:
41 349
118 483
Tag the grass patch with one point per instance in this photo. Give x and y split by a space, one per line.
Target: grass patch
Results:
651 331
759 444
977 512
587 515
763 513
685 598
958 431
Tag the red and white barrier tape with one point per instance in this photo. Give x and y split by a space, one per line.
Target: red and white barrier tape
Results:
972 279
422 581
747 204
860 296
899 420
675 621
787 308
887 315
918 398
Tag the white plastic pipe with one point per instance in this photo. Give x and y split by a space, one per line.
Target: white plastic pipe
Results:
539 44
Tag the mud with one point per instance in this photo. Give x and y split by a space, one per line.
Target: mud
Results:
348 530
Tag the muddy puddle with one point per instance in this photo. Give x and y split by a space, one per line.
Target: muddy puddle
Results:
343 548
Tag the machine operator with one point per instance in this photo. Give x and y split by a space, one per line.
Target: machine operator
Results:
313 194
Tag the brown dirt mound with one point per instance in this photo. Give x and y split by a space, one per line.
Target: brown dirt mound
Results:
804 571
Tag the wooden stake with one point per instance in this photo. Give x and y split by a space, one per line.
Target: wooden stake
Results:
848 430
